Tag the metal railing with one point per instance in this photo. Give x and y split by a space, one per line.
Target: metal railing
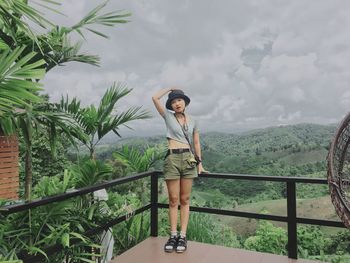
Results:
291 219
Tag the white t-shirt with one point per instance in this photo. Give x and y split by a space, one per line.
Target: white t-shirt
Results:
174 130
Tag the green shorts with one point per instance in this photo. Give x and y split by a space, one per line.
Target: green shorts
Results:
177 165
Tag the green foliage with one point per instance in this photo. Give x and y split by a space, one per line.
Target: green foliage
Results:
340 243
40 118
90 173
97 122
54 47
12 23
212 198
283 151
268 238
16 86
65 222
18 77
44 163
139 161
203 228
25 57
135 229
33 231
312 240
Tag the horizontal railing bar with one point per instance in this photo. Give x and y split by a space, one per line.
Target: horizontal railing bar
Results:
74 193
299 220
61 197
310 221
265 178
57 248
118 220
232 213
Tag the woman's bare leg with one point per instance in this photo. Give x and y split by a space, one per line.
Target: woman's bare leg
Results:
173 193
185 193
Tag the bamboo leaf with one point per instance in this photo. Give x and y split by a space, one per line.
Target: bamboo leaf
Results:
65 240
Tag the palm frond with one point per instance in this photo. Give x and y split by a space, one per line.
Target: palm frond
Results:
110 98
90 172
102 120
107 19
64 51
17 85
139 161
114 124
13 13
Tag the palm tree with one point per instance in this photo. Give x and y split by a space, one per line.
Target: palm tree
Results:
40 117
17 90
54 46
52 49
18 81
97 122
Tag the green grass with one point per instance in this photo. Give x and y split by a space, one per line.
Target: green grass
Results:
305 157
317 208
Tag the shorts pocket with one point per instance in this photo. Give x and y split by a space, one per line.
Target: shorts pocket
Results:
190 163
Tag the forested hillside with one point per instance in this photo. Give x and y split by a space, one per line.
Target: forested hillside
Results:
297 138
294 150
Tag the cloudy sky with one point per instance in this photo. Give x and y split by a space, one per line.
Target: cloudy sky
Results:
245 64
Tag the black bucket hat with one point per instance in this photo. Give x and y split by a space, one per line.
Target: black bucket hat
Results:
175 94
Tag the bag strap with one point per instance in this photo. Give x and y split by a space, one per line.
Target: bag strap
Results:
185 134
188 140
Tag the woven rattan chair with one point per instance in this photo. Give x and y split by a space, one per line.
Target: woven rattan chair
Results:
339 171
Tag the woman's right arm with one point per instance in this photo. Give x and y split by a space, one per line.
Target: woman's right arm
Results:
156 100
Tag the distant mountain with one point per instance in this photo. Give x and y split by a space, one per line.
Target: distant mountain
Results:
270 139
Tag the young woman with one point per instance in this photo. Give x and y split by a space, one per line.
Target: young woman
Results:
180 166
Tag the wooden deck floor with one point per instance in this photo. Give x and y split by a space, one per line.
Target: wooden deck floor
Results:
151 251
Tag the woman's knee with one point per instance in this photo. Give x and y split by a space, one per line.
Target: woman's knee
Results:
173 200
185 200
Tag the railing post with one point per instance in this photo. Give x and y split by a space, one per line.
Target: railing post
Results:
154 204
292 220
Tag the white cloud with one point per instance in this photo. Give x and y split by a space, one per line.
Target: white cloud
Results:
245 64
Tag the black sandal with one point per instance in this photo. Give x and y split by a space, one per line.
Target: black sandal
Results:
170 245
181 244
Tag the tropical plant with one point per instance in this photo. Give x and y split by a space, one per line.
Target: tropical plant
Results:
17 39
90 172
19 64
268 238
62 223
97 122
311 239
17 70
135 229
204 228
53 48
44 163
137 160
40 117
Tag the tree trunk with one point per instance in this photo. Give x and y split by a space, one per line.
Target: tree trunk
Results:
92 154
28 173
